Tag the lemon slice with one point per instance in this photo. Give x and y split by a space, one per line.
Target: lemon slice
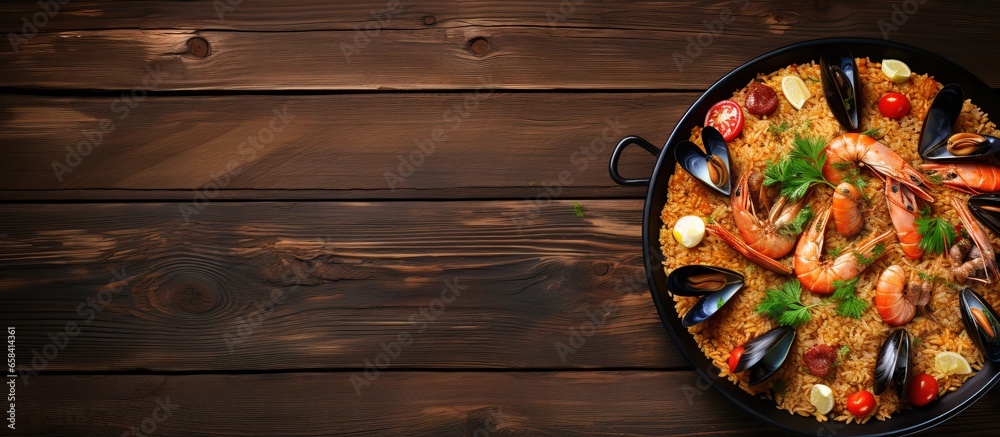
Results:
689 231
950 363
795 91
895 70
822 398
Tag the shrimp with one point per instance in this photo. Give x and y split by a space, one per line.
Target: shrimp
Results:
742 247
970 177
903 212
893 304
852 148
982 241
819 276
769 237
847 209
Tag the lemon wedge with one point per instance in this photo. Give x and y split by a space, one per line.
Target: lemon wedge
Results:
689 231
795 91
896 70
950 363
821 397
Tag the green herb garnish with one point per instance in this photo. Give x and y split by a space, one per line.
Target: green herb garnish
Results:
778 129
802 168
841 355
578 210
721 303
873 132
794 227
850 305
877 252
936 179
783 304
835 251
936 234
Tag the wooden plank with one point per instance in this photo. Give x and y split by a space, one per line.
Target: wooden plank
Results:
322 285
407 403
447 145
520 50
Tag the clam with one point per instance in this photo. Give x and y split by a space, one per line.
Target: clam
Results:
981 323
893 364
709 165
841 86
986 209
715 285
939 142
764 355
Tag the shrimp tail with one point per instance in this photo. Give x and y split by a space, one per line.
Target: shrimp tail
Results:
740 246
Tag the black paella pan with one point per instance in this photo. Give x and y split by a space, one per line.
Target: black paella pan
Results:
904 422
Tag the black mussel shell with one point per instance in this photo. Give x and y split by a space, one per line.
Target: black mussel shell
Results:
981 323
986 209
894 363
700 280
711 168
716 285
841 86
938 131
764 355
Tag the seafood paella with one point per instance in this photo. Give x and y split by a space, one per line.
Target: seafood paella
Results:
831 241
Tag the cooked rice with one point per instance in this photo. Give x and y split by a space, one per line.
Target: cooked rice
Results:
737 322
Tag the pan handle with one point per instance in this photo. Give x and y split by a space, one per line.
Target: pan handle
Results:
617 154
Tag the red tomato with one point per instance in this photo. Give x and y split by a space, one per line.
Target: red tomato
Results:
727 117
894 105
861 403
923 389
734 358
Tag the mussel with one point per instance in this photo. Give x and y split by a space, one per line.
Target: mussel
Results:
715 285
986 209
711 168
981 323
939 142
764 355
841 86
893 364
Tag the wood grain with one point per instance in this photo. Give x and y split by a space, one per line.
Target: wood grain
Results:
602 45
409 403
322 285
486 145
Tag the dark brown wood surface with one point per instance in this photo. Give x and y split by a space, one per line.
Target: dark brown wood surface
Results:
280 203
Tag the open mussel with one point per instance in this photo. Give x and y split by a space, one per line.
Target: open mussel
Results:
939 142
841 86
715 285
711 165
981 323
894 363
986 209
764 355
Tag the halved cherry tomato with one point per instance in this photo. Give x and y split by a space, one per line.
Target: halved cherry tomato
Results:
734 358
861 403
923 389
894 105
727 117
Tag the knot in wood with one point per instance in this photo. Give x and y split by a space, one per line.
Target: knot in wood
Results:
191 296
429 20
479 46
601 269
198 47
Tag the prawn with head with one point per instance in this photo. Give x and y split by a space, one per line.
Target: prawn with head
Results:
762 239
818 275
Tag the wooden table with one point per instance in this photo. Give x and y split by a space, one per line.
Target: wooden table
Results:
260 217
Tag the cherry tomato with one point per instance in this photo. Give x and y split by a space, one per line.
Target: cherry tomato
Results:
727 117
861 403
894 105
734 358
923 389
